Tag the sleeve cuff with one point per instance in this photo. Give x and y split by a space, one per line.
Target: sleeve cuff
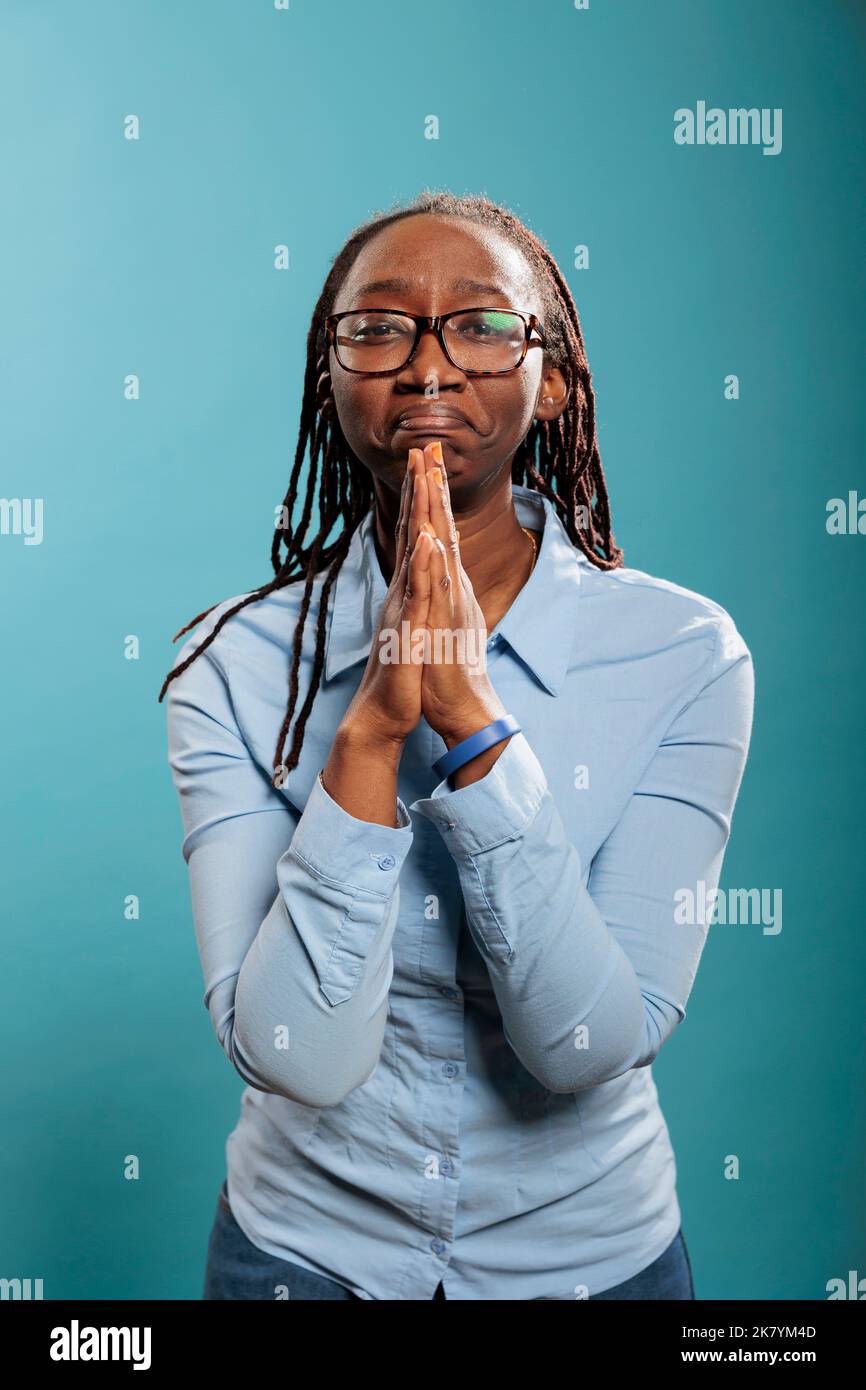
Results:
353 853
498 807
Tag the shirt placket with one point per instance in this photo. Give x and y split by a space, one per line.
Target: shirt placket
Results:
438 909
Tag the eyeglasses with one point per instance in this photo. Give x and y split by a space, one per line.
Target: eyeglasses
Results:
479 342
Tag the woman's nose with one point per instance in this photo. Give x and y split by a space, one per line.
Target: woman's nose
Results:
430 360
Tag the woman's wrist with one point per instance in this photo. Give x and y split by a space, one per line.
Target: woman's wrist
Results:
470 720
356 734
361 772
466 721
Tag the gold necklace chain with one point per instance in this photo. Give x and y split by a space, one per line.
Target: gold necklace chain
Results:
531 536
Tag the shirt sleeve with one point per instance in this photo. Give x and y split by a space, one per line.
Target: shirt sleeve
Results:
294 912
592 971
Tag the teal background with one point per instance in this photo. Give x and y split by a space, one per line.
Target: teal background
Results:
156 257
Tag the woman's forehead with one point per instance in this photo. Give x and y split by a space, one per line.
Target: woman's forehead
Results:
426 256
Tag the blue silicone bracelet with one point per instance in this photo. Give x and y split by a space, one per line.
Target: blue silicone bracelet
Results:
476 743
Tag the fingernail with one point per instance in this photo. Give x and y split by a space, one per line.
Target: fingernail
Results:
431 530
458 535
436 475
436 451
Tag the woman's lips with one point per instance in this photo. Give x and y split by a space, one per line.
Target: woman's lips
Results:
430 424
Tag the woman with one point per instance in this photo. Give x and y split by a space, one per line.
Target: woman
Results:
444 979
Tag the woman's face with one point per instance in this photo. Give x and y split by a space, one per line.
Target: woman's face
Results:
425 264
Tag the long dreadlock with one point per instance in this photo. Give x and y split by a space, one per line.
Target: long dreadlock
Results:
558 458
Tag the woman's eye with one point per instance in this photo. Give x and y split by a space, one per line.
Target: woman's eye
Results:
377 333
487 327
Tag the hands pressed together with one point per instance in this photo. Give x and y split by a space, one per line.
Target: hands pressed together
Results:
430 593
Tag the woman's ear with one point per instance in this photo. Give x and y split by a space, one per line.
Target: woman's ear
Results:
552 394
324 398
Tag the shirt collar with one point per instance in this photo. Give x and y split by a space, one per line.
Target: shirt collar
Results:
539 625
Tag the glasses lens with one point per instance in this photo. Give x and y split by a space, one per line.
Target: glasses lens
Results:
374 342
486 340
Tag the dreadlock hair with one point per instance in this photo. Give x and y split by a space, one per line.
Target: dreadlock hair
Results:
558 458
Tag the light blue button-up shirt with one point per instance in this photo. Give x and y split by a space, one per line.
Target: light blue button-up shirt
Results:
447 1027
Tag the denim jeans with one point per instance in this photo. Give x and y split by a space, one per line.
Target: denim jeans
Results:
237 1269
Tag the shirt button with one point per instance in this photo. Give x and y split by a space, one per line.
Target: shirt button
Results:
446 1167
448 992
437 1246
449 1069
387 861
